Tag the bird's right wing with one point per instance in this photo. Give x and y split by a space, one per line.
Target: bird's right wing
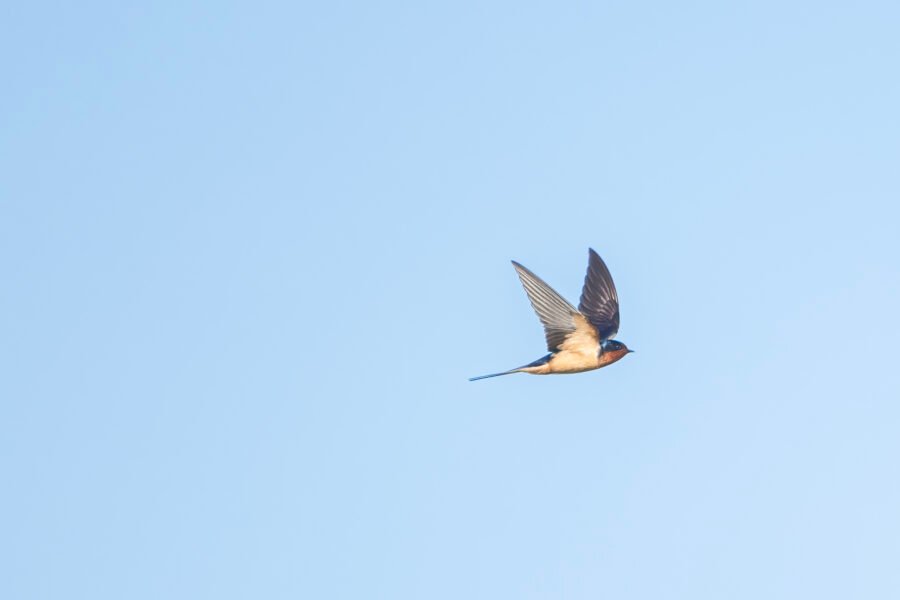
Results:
557 316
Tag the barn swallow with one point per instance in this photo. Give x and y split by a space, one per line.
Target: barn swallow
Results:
578 340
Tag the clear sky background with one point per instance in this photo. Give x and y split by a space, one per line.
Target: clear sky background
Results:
251 252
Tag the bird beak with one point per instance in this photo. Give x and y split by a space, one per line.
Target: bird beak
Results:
629 351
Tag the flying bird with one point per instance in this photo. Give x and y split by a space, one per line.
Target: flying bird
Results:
578 339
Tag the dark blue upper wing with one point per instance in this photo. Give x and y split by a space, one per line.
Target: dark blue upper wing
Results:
599 301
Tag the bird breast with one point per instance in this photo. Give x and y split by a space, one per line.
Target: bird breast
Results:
608 358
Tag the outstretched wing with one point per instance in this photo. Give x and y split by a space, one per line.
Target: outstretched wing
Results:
556 314
599 301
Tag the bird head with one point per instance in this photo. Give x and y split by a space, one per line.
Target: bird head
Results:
615 346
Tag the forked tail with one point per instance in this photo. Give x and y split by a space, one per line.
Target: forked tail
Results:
541 361
510 372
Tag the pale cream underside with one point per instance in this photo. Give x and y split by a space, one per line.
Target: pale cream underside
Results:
578 353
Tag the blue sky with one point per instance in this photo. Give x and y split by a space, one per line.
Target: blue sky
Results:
251 253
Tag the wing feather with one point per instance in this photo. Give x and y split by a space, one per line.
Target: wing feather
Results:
599 300
556 314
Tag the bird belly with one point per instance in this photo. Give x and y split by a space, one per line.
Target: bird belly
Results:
572 362
568 361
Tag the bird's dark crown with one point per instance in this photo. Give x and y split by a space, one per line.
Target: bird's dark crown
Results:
613 345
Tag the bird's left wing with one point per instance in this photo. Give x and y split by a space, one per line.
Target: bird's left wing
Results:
599 300
557 316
